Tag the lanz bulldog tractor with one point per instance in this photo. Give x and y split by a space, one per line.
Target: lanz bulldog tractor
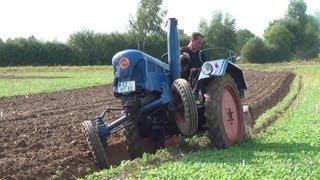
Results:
158 104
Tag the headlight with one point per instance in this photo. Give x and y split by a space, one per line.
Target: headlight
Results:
124 63
207 68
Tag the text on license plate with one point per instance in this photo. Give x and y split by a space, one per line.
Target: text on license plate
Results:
127 86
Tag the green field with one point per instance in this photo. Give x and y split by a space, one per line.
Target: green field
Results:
289 149
25 80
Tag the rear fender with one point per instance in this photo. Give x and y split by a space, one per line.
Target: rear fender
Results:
220 68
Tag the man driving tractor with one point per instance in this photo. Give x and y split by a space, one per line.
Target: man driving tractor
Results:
190 54
190 60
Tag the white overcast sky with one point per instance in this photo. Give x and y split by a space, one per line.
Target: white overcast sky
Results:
57 19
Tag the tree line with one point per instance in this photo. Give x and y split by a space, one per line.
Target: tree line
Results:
295 36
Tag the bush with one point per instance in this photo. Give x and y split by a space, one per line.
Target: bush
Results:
255 51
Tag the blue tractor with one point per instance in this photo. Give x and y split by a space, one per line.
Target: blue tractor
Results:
159 104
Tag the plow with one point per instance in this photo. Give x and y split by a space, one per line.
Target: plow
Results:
160 107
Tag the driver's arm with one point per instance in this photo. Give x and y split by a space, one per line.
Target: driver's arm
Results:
184 56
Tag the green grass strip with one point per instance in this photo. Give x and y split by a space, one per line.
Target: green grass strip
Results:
31 80
275 112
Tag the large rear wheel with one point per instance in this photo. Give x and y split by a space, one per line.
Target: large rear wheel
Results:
94 142
186 115
133 140
223 111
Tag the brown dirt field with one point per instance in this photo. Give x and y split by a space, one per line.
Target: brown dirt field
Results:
42 133
265 89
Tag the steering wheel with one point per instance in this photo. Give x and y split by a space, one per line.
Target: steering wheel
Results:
184 63
163 56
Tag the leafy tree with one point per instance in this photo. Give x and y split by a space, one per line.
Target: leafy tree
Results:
255 51
84 43
110 44
59 54
242 36
304 29
14 51
294 36
33 52
310 45
296 29
147 22
184 39
295 20
317 16
279 39
156 46
97 48
297 11
203 25
219 32
2 49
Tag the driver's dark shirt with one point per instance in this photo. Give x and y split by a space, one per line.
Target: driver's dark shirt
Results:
193 62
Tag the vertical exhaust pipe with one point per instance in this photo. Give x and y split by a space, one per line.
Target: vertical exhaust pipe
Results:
173 50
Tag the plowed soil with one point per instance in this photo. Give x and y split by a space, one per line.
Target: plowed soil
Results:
42 134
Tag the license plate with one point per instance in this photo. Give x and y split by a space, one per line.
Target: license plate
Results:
127 86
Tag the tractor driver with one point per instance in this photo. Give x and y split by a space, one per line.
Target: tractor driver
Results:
190 60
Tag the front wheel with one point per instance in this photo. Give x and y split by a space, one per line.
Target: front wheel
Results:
223 112
186 115
94 142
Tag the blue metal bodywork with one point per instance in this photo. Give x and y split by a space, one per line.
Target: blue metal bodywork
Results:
148 72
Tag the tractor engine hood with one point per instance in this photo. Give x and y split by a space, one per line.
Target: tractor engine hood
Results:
146 72
125 61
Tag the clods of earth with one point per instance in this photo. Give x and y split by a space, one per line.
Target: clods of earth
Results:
42 133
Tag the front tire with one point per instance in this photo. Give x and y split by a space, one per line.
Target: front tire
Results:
186 116
223 112
94 142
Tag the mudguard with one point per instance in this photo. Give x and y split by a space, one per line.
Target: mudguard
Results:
222 66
